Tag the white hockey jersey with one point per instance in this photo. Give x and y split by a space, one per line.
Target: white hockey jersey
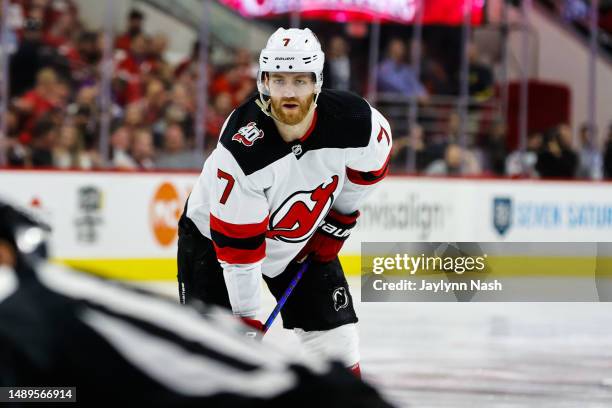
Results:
259 198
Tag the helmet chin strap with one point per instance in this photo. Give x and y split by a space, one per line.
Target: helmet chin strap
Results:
267 109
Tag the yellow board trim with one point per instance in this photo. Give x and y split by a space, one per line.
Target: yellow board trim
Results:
161 269
126 269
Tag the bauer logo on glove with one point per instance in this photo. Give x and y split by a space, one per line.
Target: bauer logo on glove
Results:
328 239
331 229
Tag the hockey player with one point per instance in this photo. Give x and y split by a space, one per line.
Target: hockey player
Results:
291 169
61 328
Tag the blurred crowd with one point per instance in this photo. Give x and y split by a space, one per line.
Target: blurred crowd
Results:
440 149
54 115
555 153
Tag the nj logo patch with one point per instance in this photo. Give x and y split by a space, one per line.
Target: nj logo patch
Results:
297 218
340 298
247 135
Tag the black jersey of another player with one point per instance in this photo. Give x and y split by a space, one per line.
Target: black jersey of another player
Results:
65 329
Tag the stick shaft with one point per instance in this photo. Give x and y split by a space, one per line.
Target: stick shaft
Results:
285 296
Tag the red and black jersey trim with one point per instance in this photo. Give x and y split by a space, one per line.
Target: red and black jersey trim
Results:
310 128
238 243
368 177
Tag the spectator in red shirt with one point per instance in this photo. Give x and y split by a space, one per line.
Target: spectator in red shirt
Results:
131 69
134 62
85 58
221 108
60 33
54 10
233 82
134 28
40 100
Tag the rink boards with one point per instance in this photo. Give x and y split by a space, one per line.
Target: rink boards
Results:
123 224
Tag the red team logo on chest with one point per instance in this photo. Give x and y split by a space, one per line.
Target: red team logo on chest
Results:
300 214
247 135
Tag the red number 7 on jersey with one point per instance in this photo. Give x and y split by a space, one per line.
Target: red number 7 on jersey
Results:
382 133
228 188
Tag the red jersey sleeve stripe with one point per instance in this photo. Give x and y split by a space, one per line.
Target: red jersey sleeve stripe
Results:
368 177
238 230
240 256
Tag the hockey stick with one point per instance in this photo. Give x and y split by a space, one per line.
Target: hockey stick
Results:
285 296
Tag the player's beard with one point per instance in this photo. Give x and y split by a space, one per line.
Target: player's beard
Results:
293 116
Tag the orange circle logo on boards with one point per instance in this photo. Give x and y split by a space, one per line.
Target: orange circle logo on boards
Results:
165 211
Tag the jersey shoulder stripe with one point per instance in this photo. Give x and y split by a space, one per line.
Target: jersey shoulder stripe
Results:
368 177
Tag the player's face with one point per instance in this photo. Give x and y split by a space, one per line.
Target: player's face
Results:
291 95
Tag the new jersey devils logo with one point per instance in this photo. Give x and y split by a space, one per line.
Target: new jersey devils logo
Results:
297 218
247 135
340 298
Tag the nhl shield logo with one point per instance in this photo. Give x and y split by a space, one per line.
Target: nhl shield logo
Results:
296 149
247 135
502 214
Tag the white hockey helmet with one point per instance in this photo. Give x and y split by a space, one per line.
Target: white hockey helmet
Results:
291 50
